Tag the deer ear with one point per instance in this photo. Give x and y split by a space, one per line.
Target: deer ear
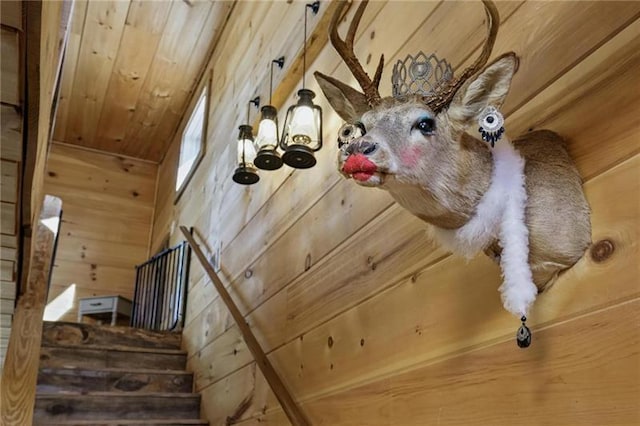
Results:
489 88
345 100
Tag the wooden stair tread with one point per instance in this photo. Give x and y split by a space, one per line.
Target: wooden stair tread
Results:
76 381
115 370
97 358
77 334
116 348
103 406
99 375
90 395
146 422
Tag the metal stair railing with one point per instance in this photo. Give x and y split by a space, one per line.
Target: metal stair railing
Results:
160 293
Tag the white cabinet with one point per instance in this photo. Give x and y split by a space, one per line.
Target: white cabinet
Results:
101 306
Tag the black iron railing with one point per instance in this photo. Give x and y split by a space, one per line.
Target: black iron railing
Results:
161 290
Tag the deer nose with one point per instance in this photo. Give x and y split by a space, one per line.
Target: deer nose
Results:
361 147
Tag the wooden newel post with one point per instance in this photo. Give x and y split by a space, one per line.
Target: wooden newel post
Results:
20 372
291 409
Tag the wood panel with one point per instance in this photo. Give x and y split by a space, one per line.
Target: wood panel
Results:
72 380
9 183
397 327
85 335
106 224
122 99
344 289
10 158
12 13
489 385
269 270
54 408
20 371
11 133
104 23
9 42
102 357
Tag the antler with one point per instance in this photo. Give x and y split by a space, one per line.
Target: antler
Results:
345 50
441 99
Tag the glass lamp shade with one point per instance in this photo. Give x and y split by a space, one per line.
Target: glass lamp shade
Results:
302 135
246 173
267 140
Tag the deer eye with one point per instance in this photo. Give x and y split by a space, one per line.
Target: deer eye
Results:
349 132
426 125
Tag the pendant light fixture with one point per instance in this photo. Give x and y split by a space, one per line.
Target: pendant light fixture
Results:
268 137
302 133
246 173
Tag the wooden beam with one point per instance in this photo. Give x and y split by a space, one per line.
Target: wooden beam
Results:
23 354
291 409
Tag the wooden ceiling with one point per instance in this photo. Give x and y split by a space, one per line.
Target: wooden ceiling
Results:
129 71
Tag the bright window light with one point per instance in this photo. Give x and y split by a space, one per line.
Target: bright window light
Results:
192 140
62 304
52 223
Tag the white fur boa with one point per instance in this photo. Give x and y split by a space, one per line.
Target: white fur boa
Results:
501 214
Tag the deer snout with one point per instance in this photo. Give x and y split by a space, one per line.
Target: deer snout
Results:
361 147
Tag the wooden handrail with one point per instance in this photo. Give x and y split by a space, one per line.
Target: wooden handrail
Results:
20 372
291 409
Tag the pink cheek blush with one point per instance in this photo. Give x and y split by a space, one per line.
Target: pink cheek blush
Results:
410 157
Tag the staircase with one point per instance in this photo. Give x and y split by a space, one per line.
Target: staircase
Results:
99 375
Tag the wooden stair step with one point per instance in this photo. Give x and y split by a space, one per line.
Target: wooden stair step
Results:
79 380
60 356
99 406
75 334
147 422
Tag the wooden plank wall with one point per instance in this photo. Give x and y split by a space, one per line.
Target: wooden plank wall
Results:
367 320
10 162
106 224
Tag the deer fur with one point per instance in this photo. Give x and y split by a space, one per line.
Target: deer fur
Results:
442 177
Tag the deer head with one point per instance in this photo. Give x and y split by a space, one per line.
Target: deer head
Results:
416 145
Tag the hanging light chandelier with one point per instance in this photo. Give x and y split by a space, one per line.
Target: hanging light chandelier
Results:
268 137
302 132
246 173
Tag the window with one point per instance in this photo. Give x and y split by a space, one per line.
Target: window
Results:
192 143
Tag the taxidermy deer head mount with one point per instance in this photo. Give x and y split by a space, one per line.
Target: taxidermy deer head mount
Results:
521 202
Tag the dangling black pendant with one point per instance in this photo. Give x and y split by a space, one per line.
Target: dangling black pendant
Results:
523 337
491 137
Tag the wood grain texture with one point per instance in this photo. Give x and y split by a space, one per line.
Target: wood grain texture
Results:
349 210
21 364
106 223
107 406
10 50
424 316
120 98
12 13
285 399
494 384
74 380
58 356
10 134
343 288
84 335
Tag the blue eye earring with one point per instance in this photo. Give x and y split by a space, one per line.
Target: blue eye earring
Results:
491 125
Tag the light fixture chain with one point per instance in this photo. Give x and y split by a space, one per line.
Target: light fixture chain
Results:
271 84
304 49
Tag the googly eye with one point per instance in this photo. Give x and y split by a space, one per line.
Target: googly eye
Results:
349 132
491 120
